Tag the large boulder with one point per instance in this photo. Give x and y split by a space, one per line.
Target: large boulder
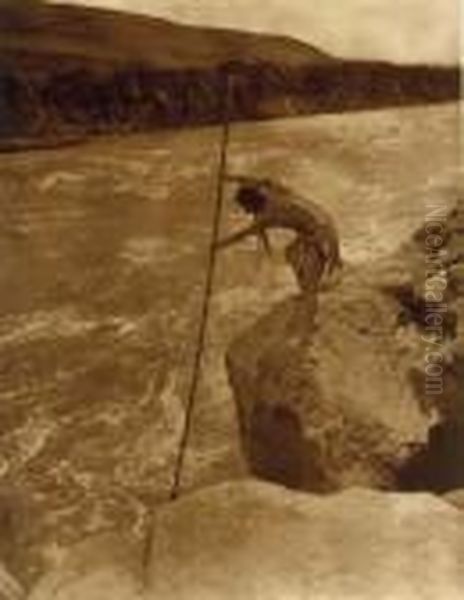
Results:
327 402
255 540
258 541
332 395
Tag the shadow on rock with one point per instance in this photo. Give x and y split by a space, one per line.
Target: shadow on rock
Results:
438 465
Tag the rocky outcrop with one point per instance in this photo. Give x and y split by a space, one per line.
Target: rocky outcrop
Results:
338 399
433 306
254 540
324 405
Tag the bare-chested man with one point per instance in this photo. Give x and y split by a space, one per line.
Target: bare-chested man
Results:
315 251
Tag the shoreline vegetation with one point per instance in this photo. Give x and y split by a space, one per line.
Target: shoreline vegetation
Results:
68 73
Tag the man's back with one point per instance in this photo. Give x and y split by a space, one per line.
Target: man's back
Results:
285 209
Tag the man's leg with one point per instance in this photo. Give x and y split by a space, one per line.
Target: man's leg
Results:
307 264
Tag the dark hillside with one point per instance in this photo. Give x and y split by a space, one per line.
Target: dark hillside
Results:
69 71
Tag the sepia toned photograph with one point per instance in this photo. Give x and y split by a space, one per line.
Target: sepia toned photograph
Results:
231 300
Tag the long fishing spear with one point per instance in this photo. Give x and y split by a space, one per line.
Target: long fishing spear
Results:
226 74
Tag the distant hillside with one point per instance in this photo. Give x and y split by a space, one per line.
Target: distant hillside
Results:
92 34
70 71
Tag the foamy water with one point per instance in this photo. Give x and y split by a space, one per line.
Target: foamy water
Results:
104 253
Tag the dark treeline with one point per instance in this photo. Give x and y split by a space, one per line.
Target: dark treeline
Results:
44 95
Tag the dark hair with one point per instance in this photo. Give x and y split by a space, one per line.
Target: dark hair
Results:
251 199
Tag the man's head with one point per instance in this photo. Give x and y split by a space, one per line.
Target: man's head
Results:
251 198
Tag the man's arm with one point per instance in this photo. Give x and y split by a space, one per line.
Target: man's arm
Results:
265 241
230 240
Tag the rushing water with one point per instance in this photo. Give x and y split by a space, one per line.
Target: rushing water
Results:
103 255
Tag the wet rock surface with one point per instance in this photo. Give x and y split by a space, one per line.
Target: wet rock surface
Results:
255 540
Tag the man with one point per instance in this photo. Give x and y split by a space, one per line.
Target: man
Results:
315 251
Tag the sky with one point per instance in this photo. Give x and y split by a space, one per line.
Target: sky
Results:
396 30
